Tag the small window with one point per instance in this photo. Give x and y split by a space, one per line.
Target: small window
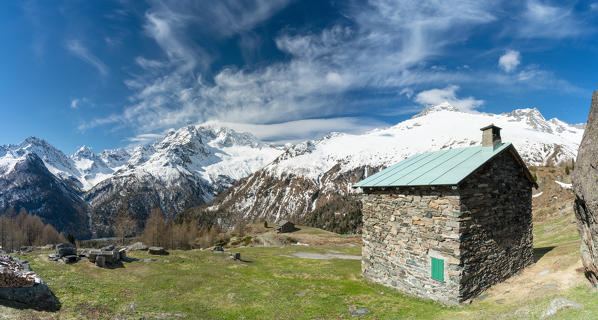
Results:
438 269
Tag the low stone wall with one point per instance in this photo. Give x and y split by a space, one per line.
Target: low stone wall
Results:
403 229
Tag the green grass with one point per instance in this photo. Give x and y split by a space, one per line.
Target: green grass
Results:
206 285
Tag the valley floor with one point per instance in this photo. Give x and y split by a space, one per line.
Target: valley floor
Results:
286 282
273 283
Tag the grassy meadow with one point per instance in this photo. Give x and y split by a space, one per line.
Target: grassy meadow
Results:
272 283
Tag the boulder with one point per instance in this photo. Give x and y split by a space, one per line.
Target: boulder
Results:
218 249
585 187
22 287
137 246
157 250
92 255
108 248
66 249
100 261
557 305
122 254
71 259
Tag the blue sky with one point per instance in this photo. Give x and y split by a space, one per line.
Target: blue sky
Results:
117 73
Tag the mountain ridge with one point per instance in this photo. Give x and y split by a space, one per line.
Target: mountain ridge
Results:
233 175
312 173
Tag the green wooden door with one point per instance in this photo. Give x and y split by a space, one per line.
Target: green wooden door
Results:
438 269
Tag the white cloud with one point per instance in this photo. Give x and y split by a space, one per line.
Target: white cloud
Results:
448 94
76 48
300 130
79 102
75 103
387 47
510 60
145 138
541 20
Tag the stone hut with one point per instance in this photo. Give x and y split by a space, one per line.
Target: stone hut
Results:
285 226
449 224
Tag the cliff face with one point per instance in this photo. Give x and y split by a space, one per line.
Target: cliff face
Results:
585 187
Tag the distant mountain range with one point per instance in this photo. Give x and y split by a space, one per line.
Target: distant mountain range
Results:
313 173
187 167
233 175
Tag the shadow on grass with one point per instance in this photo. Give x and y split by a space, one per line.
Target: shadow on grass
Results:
540 252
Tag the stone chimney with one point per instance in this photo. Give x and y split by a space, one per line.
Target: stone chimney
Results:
490 136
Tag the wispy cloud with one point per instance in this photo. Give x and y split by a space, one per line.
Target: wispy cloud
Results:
510 60
76 48
75 103
543 20
448 94
300 130
385 46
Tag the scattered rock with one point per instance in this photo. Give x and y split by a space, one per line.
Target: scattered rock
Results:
122 254
543 272
70 259
147 260
108 248
100 261
359 312
482 297
26 248
549 228
132 306
48 247
557 305
66 249
157 250
551 285
299 294
218 248
137 246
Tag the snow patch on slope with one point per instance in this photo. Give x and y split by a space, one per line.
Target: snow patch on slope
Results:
436 128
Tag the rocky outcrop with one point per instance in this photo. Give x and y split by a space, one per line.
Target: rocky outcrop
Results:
585 187
22 288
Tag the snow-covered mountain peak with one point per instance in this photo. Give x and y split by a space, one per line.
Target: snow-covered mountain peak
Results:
84 152
445 106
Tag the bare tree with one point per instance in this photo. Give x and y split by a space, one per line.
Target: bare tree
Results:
155 231
123 224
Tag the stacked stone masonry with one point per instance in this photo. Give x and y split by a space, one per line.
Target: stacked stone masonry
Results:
480 229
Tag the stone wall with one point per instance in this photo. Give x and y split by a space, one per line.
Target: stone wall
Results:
496 224
403 229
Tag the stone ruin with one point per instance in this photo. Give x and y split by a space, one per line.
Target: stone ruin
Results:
66 252
104 257
21 287
107 256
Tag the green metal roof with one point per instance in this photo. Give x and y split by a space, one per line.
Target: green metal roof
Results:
444 167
